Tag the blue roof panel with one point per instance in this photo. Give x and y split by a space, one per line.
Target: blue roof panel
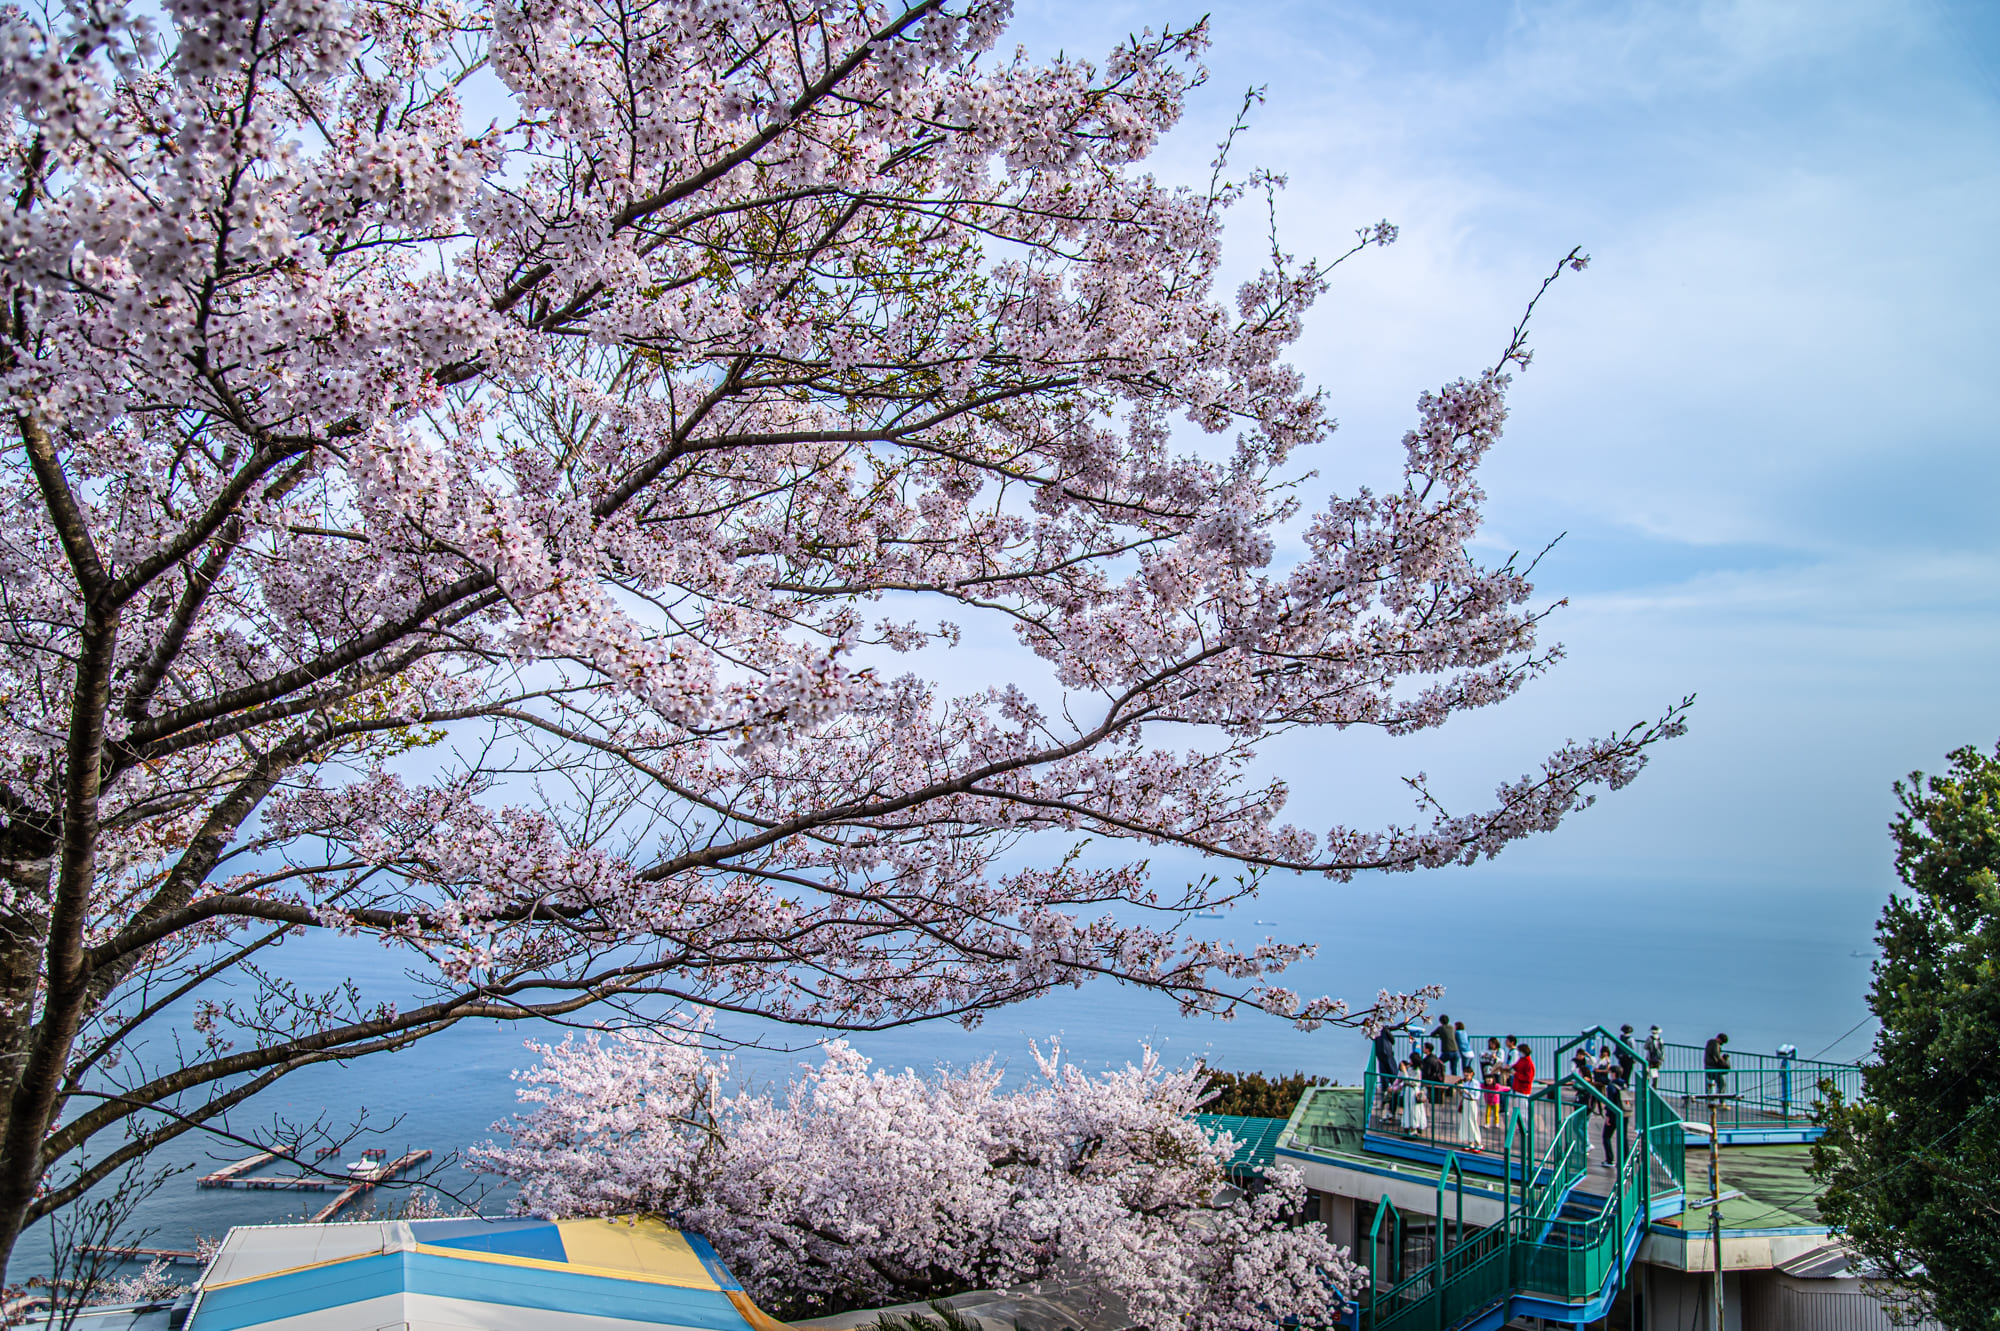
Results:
457 1227
711 1260
314 1289
296 1293
542 1241
571 1292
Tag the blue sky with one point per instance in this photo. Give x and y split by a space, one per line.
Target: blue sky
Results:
1762 416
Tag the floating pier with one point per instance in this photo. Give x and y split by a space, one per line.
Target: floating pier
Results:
178 1256
228 1175
359 1178
362 1183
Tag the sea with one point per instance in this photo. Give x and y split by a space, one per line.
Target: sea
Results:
1769 964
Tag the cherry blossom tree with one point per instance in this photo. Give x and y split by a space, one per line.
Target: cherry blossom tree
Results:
471 467
858 1189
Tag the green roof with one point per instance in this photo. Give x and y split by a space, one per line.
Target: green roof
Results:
1776 1183
1256 1139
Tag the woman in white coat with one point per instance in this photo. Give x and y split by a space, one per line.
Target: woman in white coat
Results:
1469 1134
1416 1103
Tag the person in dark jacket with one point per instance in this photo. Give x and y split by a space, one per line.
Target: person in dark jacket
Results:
1656 1054
1715 1060
1433 1074
1626 1059
1447 1039
1385 1052
1385 1066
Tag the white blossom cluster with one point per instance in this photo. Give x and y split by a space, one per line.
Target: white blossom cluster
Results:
855 1187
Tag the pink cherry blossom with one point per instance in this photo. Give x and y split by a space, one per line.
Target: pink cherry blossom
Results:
855 1187
471 464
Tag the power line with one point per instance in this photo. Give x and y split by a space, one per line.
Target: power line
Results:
1787 1203
1850 1030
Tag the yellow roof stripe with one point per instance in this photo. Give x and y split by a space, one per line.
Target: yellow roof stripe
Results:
649 1253
642 1245
701 1281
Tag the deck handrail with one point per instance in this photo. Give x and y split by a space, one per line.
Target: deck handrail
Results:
1761 1089
1678 1057
1537 1248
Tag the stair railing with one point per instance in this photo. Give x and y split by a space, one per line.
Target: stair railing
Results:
1523 1253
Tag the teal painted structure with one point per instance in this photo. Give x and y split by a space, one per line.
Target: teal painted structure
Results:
1561 1251
500 1274
1256 1140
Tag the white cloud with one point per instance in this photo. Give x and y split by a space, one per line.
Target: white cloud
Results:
1762 413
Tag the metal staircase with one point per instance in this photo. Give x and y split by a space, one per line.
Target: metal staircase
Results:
1561 1249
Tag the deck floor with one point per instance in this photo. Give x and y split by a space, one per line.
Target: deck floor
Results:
1694 1109
1776 1188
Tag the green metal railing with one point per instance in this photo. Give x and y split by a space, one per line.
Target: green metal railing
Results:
1666 1139
1553 1242
1760 1090
1386 1099
1549 1242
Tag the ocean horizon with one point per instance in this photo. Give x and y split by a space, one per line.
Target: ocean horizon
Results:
1768 963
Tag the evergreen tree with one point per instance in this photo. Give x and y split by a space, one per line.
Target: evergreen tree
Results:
1913 1169
1256 1094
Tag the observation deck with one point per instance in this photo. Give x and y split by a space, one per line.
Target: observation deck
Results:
1530 1217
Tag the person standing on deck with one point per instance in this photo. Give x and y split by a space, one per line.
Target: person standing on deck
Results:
1656 1055
1522 1080
1385 1065
1491 1087
1715 1061
1583 1070
1433 1075
1447 1037
1385 1052
1626 1059
1512 1052
1469 1135
1416 1111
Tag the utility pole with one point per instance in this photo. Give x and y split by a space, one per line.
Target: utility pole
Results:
1715 1210
1715 1202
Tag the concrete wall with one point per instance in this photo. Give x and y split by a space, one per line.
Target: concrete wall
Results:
1337 1214
1681 1301
1786 1303
1754 1250
1761 1301
1413 1191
